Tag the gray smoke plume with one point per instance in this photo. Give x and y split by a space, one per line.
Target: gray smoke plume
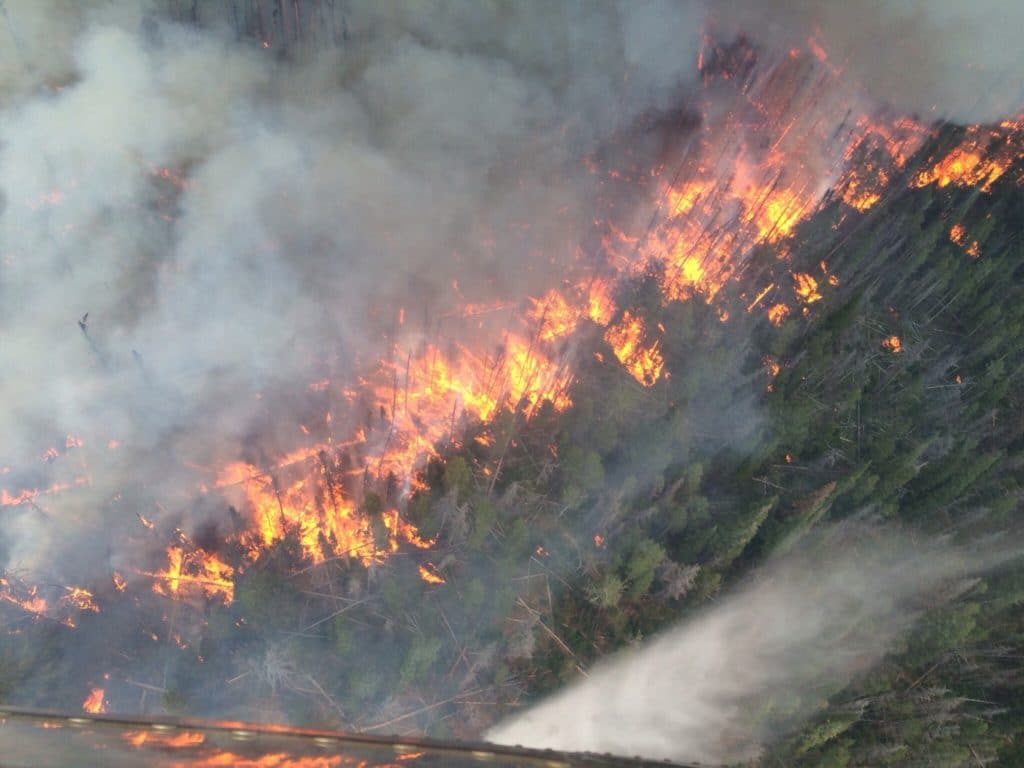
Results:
236 225
193 227
795 632
940 59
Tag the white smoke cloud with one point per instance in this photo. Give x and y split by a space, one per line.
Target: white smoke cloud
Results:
940 59
436 142
438 145
795 632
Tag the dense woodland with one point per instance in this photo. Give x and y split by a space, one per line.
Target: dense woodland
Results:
637 506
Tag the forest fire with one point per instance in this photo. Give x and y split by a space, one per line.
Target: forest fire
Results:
806 287
728 195
980 159
958 236
751 177
430 576
279 510
221 759
337 487
777 313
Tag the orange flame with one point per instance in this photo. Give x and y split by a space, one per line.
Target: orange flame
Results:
600 304
893 344
280 509
32 603
406 531
554 315
754 174
95 703
81 599
806 287
777 313
273 760
195 573
958 235
181 740
980 160
28 496
429 576
644 363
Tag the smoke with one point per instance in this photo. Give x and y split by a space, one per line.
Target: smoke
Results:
237 226
231 222
720 686
939 59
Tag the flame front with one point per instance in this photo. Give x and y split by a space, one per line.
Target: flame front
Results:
981 158
753 171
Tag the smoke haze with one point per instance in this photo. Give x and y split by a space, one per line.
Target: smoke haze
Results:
314 196
940 59
231 222
798 630
234 225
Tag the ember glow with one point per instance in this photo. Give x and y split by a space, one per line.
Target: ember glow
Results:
172 740
893 344
28 601
95 703
80 599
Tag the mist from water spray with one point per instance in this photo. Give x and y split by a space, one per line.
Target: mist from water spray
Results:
719 687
